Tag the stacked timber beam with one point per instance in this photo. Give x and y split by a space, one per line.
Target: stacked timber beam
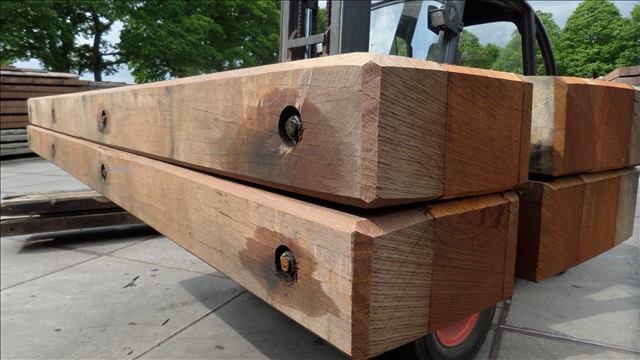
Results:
17 85
585 141
447 142
627 75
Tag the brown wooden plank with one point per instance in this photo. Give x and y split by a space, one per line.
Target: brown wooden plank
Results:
13 121
469 167
46 89
623 72
580 125
377 129
23 95
364 283
13 107
54 203
568 221
599 212
626 205
471 242
39 80
37 73
634 146
45 224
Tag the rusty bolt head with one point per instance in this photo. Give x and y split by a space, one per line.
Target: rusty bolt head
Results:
287 262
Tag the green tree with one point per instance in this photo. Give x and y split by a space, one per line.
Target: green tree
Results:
594 40
553 32
48 31
472 53
510 57
631 55
163 39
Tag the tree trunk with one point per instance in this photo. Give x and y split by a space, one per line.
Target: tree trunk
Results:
96 57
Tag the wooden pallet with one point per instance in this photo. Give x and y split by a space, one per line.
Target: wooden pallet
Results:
568 221
378 130
364 283
582 125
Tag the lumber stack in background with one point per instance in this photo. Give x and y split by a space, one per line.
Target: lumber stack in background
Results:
589 129
364 283
17 85
36 213
378 130
627 75
570 220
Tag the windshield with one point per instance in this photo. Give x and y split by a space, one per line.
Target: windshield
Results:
400 28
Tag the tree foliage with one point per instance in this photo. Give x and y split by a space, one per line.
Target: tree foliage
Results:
49 31
164 39
472 53
596 40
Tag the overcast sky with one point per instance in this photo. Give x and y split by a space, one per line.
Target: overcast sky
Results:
496 33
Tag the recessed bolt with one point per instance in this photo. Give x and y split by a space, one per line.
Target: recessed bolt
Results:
103 172
53 115
288 263
290 126
53 150
103 120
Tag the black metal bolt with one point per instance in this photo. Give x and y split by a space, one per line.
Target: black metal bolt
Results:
291 130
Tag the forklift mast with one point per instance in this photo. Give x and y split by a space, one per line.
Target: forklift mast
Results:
428 29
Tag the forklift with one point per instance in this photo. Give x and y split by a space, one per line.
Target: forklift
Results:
427 30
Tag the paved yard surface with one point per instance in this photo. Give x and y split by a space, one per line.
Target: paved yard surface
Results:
132 293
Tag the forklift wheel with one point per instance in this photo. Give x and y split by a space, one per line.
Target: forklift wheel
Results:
460 340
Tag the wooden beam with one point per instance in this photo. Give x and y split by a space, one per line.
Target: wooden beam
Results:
378 130
13 107
568 221
39 80
581 125
55 203
47 89
43 224
365 284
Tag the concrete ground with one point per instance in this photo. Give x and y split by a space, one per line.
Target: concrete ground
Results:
132 293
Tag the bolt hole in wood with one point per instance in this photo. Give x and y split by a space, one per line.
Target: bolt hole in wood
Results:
53 115
102 120
53 151
286 264
103 172
290 126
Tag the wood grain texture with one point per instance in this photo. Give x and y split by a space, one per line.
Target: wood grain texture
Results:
365 284
568 221
378 130
580 125
13 107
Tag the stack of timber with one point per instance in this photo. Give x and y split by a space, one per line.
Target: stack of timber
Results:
13 142
17 85
585 141
59 211
378 131
627 75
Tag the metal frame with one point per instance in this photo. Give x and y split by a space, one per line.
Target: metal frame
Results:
349 23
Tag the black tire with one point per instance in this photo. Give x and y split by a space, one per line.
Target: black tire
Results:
430 348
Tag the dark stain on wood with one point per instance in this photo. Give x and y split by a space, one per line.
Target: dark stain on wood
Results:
305 294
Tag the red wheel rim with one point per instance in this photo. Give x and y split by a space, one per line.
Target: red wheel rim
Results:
456 333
